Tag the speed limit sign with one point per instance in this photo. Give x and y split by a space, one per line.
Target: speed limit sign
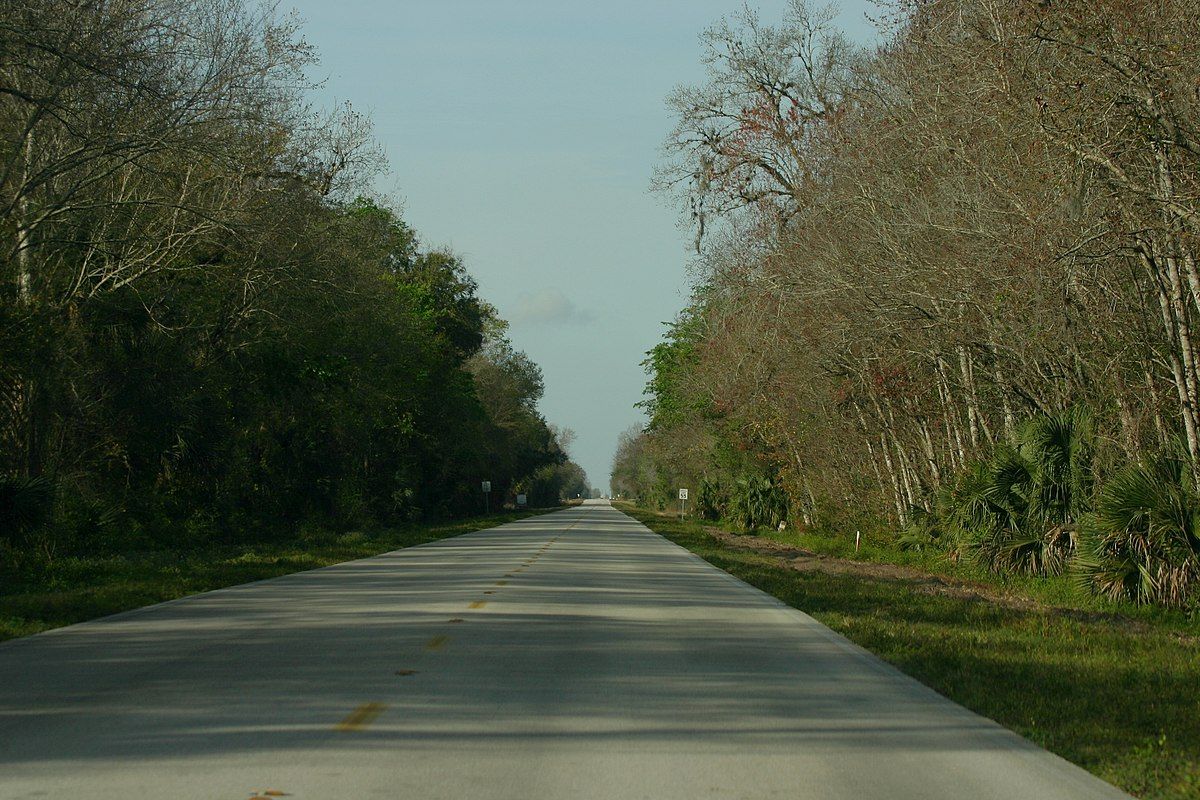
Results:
683 494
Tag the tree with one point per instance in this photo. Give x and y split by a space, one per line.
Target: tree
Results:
926 250
206 324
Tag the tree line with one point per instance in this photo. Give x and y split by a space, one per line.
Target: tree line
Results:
946 287
209 330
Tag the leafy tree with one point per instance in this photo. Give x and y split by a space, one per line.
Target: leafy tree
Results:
207 329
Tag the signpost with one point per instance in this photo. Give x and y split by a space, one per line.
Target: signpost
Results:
682 502
487 491
522 500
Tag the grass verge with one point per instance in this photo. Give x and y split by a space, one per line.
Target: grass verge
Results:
1117 693
75 589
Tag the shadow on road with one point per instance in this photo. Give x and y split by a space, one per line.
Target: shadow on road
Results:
607 635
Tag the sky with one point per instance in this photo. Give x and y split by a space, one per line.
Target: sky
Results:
522 135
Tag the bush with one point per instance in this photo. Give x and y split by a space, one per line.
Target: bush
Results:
712 499
1018 510
756 501
25 504
1141 543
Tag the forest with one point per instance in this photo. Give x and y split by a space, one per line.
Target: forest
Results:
211 328
944 288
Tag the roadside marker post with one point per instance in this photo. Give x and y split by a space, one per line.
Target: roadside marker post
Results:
857 540
487 491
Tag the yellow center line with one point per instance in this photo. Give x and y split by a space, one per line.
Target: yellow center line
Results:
437 643
501 583
478 604
361 717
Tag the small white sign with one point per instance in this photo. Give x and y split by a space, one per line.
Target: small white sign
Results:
487 486
683 494
522 499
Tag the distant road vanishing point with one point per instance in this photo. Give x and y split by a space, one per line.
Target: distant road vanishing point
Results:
571 655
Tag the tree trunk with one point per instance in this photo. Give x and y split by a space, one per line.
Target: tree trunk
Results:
24 257
958 454
968 379
1010 422
1179 335
901 510
935 471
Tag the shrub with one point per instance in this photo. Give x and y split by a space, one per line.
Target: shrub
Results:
712 499
756 501
1019 509
1141 543
25 504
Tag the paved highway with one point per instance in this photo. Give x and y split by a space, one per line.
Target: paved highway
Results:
572 655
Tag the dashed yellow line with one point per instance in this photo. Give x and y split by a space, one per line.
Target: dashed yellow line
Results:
501 583
437 643
361 717
478 604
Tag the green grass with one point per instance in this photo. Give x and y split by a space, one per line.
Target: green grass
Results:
1114 690
69 590
1059 590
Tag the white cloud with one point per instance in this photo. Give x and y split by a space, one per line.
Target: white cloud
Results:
548 307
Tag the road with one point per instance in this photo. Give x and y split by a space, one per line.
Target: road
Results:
572 655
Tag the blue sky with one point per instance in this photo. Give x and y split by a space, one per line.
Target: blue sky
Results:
522 134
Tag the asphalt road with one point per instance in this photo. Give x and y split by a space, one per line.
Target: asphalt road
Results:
573 655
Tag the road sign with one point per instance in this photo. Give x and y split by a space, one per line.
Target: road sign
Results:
487 486
522 499
683 494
